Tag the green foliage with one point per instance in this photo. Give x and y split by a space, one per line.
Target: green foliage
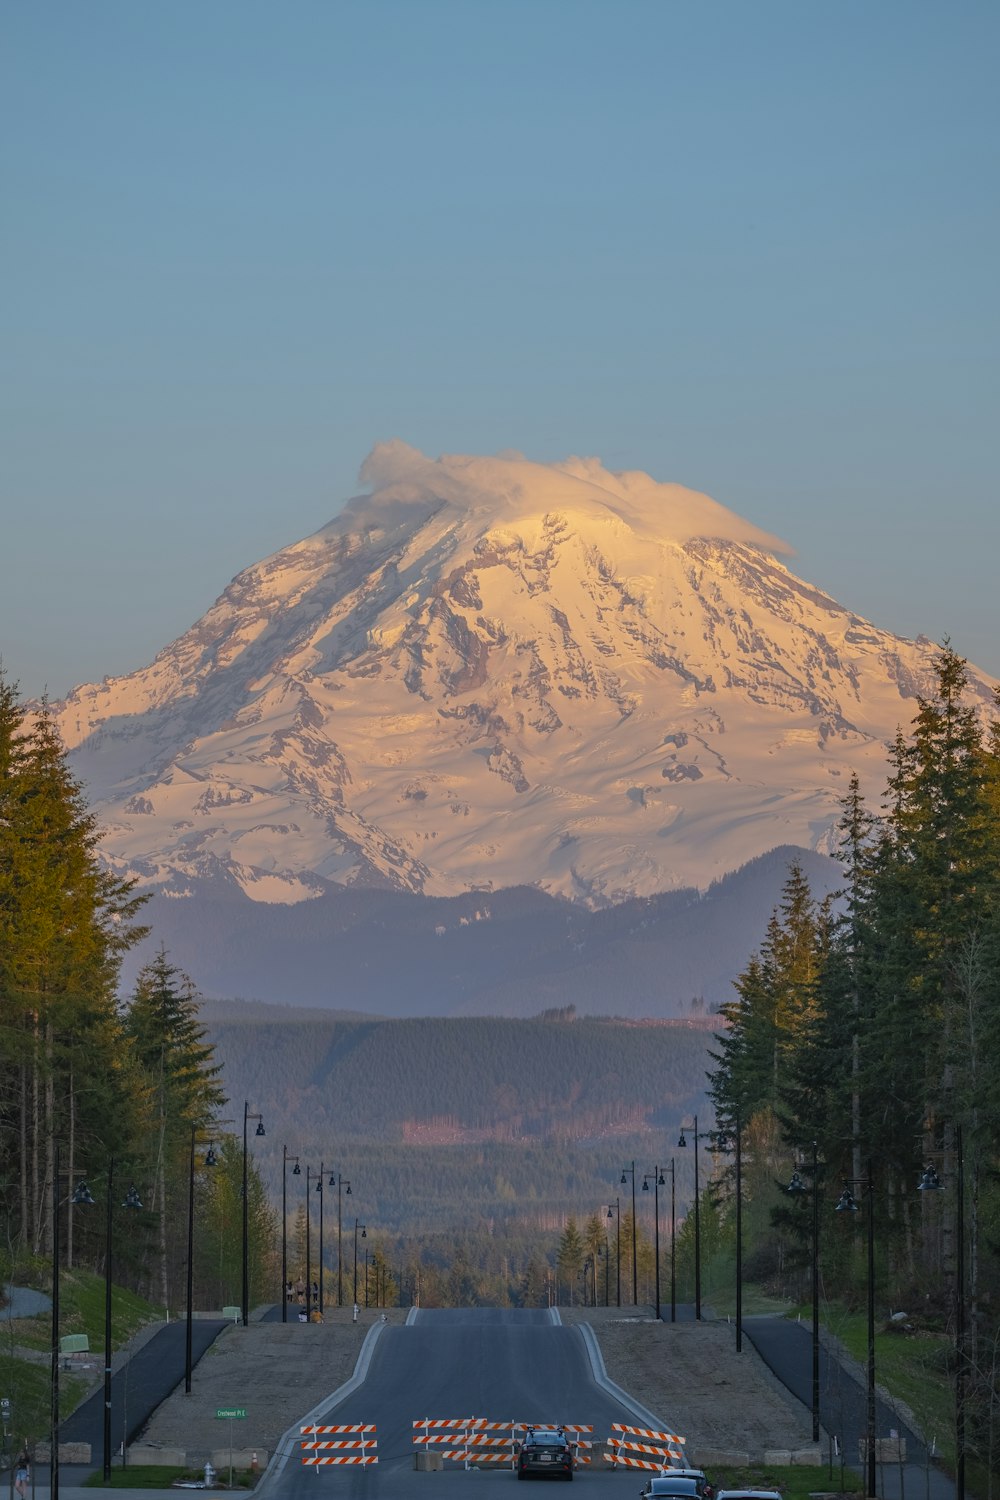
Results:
884 1042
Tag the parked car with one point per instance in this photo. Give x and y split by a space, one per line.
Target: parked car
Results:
671 1486
545 1450
748 1495
705 1490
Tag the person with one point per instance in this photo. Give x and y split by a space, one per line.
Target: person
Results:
22 1474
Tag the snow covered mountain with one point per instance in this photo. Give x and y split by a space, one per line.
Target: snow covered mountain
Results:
485 673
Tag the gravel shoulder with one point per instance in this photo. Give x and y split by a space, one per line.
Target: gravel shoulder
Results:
689 1374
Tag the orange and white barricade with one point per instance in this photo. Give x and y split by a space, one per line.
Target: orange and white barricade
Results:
340 1443
448 1436
643 1448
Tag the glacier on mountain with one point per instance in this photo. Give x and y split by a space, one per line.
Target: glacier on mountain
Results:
488 672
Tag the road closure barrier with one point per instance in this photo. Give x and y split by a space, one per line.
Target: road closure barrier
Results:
475 1440
343 1443
643 1448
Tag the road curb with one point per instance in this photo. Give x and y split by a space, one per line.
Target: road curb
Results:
289 1439
603 1379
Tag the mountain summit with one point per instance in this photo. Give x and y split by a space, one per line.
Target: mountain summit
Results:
487 672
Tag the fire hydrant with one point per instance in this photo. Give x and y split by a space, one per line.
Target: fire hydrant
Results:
209 1473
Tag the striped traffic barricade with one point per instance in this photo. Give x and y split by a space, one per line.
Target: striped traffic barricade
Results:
339 1443
643 1447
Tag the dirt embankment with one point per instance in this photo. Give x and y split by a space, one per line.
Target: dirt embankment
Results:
688 1374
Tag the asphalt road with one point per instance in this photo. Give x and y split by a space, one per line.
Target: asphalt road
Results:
504 1365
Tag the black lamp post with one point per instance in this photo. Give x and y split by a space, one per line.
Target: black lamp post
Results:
296 1172
607 1267
658 1181
630 1172
131 1201
319 1189
246 1222
616 1214
210 1161
682 1142
364 1236
673 1231
797 1188
931 1181
342 1188
847 1203
310 1174
81 1195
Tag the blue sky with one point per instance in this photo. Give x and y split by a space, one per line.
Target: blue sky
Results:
750 248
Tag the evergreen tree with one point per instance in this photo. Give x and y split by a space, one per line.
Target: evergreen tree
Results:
182 1088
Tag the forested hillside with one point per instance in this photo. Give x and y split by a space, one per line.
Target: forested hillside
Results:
464 1118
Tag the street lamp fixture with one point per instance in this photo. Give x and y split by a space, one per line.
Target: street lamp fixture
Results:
658 1181
247 1116
630 1172
797 1189
615 1212
847 1203
931 1182
296 1172
682 1144
364 1236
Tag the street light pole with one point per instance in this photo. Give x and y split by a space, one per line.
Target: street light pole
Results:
847 1203
930 1179
630 1171
673 1228
346 1187
682 1142
131 1201
658 1181
364 1236
310 1174
796 1187
739 1237
618 1244
210 1161
296 1172
81 1195
245 1306
319 1189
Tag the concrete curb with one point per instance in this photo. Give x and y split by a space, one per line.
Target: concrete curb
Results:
287 1443
603 1379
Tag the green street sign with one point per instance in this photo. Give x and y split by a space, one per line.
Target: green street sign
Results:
231 1411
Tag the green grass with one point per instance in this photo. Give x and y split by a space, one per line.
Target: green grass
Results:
163 1476
914 1368
81 1310
795 1483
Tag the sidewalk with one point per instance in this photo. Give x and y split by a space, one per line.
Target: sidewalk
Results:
786 1347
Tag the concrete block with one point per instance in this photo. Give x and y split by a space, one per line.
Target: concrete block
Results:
242 1458
427 1463
69 1453
723 1458
808 1457
779 1456
145 1453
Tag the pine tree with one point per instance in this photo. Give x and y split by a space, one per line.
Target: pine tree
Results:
181 1081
